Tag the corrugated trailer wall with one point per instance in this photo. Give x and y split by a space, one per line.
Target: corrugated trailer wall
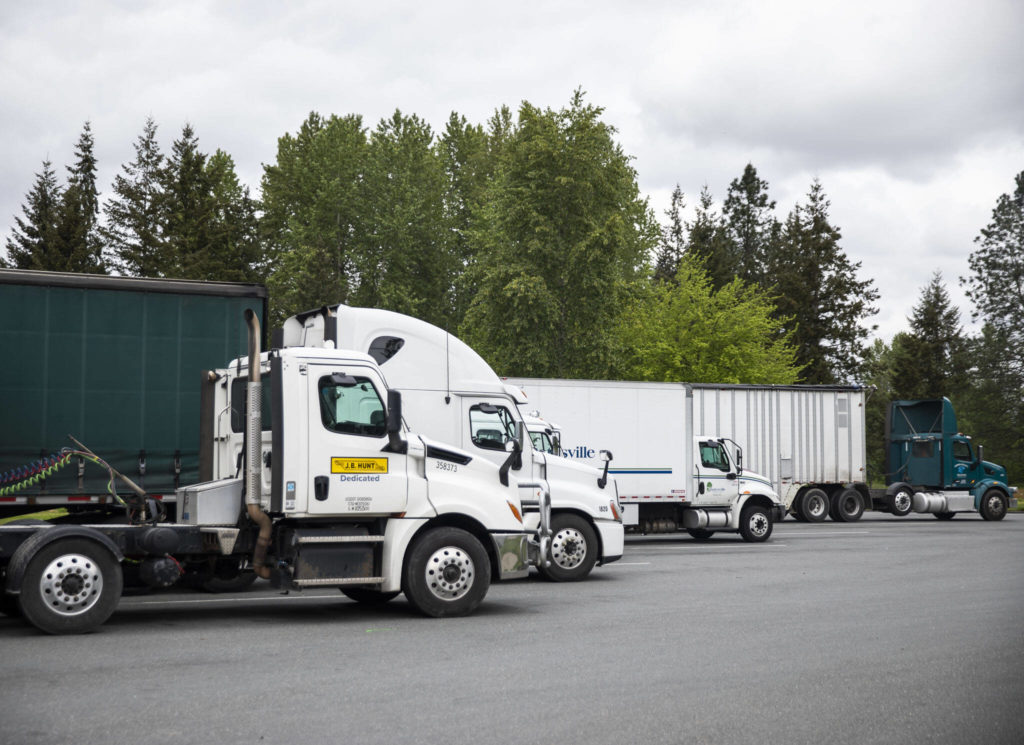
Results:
791 434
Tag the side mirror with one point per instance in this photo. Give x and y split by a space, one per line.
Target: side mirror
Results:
394 422
514 460
606 456
981 454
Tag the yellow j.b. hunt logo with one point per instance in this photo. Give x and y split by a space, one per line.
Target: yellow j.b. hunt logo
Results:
359 465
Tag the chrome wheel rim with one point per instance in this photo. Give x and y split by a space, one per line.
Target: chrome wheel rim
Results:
568 548
815 506
71 584
902 501
449 573
759 524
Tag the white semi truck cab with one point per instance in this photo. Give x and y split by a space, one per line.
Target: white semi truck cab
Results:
341 495
450 393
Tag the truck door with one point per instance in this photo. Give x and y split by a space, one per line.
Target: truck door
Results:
716 481
350 473
490 425
924 466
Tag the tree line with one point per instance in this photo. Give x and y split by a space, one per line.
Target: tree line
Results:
527 236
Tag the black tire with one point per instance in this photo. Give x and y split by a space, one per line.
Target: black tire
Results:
9 605
70 586
847 505
944 515
573 549
814 505
901 502
446 573
993 505
368 596
755 523
700 534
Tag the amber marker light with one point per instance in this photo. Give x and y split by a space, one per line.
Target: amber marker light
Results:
615 511
515 511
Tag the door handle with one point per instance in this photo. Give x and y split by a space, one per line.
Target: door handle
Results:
321 485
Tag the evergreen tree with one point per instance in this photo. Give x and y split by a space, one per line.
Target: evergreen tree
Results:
135 228
752 226
819 294
233 252
78 226
708 239
996 285
187 206
687 330
673 240
930 361
877 376
34 243
560 239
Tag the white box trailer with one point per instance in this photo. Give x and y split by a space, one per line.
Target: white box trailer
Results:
671 471
807 441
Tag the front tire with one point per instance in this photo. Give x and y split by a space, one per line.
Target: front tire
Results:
700 534
446 573
944 515
993 505
573 549
901 502
70 586
755 524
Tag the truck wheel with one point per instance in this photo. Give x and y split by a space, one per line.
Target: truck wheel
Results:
70 586
573 549
901 502
755 524
944 515
9 605
993 505
814 505
847 505
446 573
700 534
368 596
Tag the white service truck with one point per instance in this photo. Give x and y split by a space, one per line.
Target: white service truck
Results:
345 497
808 441
450 393
673 473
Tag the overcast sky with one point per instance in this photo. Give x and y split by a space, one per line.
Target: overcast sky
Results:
911 113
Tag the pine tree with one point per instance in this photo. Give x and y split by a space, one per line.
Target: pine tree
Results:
930 361
187 205
135 231
78 226
996 285
673 240
749 214
708 240
34 243
233 252
818 293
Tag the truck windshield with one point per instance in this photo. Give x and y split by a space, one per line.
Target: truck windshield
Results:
351 405
712 455
542 442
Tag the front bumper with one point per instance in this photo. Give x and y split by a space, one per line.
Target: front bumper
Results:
612 535
514 557
778 513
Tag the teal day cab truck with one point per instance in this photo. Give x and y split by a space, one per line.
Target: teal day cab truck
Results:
115 362
932 468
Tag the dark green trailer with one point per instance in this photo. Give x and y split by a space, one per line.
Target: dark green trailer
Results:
115 362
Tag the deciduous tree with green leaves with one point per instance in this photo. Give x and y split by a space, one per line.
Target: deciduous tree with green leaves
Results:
686 330
561 237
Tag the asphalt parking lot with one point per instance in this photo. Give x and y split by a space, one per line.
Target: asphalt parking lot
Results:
882 631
